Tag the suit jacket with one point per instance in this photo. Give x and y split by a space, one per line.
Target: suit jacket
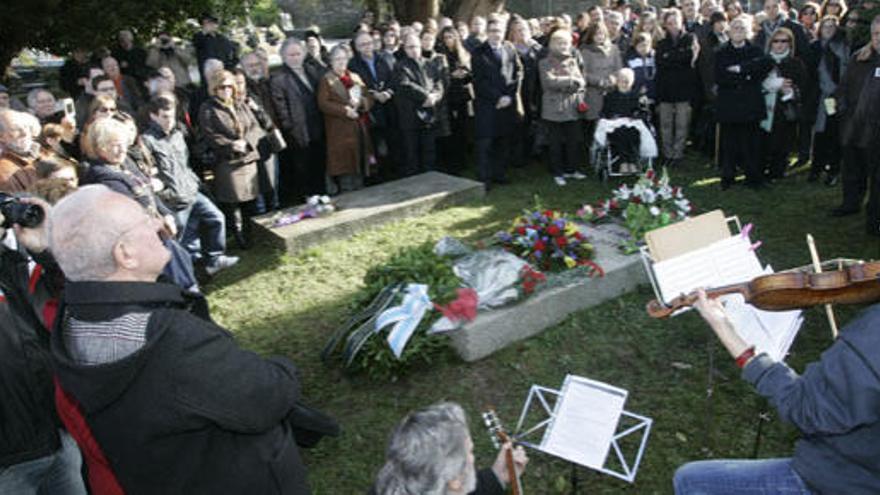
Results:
379 114
740 99
494 78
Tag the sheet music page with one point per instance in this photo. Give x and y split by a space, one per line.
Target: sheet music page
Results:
772 332
728 261
585 421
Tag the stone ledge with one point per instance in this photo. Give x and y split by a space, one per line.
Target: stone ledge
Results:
371 207
496 329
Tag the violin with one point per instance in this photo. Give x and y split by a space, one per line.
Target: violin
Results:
854 284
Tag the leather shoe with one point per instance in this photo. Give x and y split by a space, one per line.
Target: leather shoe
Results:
843 212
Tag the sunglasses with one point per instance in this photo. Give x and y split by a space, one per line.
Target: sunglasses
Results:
226 86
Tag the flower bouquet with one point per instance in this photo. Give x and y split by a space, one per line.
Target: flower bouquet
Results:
548 240
316 206
648 204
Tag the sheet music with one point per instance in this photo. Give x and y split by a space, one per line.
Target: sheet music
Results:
772 332
585 421
728 261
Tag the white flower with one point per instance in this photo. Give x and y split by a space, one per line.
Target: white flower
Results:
683 205
325 199
654 211
665 193
623 193
649 196
313 200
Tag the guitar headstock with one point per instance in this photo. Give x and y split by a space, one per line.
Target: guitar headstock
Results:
496 429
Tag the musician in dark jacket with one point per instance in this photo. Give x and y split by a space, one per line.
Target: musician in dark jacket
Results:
431 451
376 72
740 67
417 95
498 108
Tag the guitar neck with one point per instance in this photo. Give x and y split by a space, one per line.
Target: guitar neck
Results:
513 481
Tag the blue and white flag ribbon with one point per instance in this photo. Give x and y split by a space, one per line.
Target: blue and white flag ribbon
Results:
406 317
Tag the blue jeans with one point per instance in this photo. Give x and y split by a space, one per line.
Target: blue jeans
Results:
202 215
739 477
56 474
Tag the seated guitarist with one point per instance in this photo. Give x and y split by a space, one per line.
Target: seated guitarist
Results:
835 404
431 453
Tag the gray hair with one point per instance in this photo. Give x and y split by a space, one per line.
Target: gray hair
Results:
103 130
427 449
34 94
288 42
80 236
210 66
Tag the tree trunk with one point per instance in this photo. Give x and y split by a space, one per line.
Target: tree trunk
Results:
464 10
408 11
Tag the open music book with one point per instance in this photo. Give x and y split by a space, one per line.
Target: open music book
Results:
724 262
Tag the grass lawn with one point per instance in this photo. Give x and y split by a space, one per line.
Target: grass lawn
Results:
279 304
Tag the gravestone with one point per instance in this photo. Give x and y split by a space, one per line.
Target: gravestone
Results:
370 207
495 329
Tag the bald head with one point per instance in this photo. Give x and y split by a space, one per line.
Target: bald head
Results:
96 234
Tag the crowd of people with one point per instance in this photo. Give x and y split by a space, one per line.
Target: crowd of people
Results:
140 173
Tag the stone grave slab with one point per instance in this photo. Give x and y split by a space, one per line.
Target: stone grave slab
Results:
369 208
496 329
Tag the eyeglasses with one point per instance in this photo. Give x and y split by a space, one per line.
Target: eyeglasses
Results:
226 86
106 110
780 42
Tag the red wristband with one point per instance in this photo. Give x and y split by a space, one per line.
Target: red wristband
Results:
743 358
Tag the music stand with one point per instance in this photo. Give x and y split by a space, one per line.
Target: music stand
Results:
582 426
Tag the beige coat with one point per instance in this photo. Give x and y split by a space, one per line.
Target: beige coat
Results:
599 64
348 142
563 85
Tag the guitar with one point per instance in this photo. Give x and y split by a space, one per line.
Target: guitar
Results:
499 437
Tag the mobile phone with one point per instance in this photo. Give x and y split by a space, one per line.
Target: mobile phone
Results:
69 107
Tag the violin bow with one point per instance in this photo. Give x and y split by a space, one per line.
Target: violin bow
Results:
817 266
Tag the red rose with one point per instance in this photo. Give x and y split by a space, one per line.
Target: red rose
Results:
583 107
613 204
521 230
636 200
578 236
553 230
540 246
649 174
561 241
548 213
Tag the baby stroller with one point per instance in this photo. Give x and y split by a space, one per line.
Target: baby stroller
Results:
624 146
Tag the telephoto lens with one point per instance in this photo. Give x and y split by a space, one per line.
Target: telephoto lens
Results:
16 212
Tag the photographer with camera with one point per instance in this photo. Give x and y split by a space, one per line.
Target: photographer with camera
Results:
166 53
36 455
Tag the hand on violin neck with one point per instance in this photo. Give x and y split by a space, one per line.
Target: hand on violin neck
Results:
716 316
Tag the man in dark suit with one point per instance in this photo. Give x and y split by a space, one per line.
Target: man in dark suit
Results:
377 72
416 96
209 43
498 75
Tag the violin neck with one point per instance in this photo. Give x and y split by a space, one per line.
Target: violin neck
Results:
515 486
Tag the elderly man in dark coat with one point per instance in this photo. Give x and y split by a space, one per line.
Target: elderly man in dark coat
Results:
294 94
498 74
161 400
376 72
740 67
417 95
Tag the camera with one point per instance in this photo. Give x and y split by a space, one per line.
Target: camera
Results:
24 214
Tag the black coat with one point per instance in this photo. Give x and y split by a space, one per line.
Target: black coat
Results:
29 426
676 75
490 84
296 106
740 99
379 113
190 411
215 46
412 82
794 69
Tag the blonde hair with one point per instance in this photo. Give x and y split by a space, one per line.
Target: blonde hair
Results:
216 80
